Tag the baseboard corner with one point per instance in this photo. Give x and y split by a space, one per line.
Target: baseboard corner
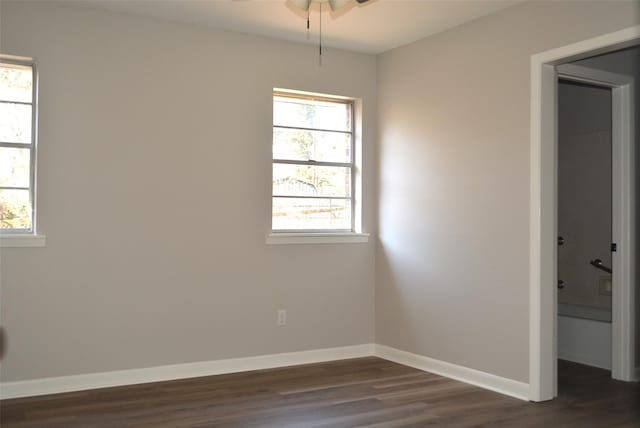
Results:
510 387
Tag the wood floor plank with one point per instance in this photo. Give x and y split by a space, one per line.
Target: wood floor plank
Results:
360 392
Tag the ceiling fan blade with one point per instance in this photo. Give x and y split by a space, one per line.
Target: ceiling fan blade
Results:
301 4
337 4
362 1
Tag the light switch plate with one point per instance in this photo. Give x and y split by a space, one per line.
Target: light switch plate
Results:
605 286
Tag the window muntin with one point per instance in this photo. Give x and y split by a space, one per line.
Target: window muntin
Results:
313 164
323 146
17 146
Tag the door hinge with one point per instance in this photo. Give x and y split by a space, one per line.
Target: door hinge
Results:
614 247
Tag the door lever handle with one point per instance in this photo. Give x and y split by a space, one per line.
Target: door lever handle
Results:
597 263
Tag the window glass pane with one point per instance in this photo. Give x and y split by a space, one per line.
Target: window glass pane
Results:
16 83
293 144
15 209
314 214
305 113
15 123
14 167
307 180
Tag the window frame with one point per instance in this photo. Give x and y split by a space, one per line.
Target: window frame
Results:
283 93
32 146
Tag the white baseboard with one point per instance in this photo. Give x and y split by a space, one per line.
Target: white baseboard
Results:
463 374
54 385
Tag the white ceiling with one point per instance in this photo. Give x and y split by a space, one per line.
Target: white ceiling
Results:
373 27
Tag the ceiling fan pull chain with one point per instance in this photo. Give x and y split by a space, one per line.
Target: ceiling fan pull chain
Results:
320 56
308 12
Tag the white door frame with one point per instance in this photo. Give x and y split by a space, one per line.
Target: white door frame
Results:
543 216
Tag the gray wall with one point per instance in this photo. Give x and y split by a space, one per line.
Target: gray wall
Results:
627 62
154 194
452 267
584 192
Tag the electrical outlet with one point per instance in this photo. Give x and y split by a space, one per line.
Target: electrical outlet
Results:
282 317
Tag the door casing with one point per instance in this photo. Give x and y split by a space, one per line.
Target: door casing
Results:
543 208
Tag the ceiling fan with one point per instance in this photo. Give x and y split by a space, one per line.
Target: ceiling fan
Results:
333 4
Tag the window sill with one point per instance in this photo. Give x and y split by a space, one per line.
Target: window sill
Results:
21 241
317 238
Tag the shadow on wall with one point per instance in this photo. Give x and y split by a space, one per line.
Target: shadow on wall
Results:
393 326
402 285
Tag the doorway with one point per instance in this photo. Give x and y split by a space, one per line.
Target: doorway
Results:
546 67
584 222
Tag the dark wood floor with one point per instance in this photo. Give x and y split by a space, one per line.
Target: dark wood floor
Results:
361 392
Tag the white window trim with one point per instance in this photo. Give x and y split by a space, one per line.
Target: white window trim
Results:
27 238
22 240
355 235
316 238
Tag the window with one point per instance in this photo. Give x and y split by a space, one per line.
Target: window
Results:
313 164
17 146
